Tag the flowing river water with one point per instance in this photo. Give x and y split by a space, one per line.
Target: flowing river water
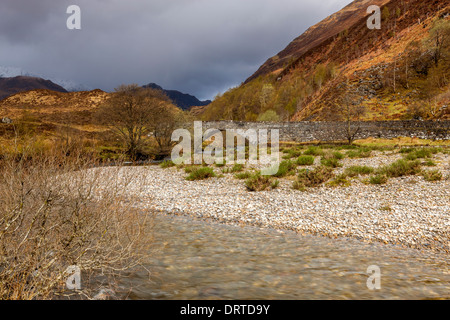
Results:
202 260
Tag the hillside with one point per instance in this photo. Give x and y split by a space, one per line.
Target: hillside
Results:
49 117
183 101
45 114
10 86
399 72
53 107
317 34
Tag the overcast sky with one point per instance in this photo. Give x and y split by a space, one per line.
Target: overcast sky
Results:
201 47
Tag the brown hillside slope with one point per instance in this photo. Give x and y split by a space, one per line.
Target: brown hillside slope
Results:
390 73
50 113
53 107
317 34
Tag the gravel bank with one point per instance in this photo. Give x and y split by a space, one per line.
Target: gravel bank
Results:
406 211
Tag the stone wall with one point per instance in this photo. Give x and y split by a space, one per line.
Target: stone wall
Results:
333 131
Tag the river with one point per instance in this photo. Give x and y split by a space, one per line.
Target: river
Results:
202 260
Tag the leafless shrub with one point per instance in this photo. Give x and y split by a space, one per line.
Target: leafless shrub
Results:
57 212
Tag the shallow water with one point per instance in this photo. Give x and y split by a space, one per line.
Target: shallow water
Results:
202 260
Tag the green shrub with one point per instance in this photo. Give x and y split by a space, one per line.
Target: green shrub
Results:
243 175
429 163
167 164
201 174
407 150
338 155
432 175
436 150
340 180
305 161
286 168
401 168
292 153
358 171
378 179
275 184
299 186
190 169
332 163
237 168
328 154
419 154
359 153
312 178
314 151
257 182
352 154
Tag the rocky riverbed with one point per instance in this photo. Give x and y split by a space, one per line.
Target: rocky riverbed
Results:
406 211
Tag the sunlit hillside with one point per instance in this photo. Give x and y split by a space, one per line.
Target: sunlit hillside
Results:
399 72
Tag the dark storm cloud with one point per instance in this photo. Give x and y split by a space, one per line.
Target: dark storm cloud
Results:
196 46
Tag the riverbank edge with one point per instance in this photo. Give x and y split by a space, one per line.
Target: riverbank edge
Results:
397 244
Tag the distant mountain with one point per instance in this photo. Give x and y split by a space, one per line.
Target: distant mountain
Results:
181 100
71 86
10 86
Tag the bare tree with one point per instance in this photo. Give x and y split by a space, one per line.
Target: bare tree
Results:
133 112
440 38
166 119
350 110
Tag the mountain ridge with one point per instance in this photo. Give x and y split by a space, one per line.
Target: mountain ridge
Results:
182 100
13 85
70 86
